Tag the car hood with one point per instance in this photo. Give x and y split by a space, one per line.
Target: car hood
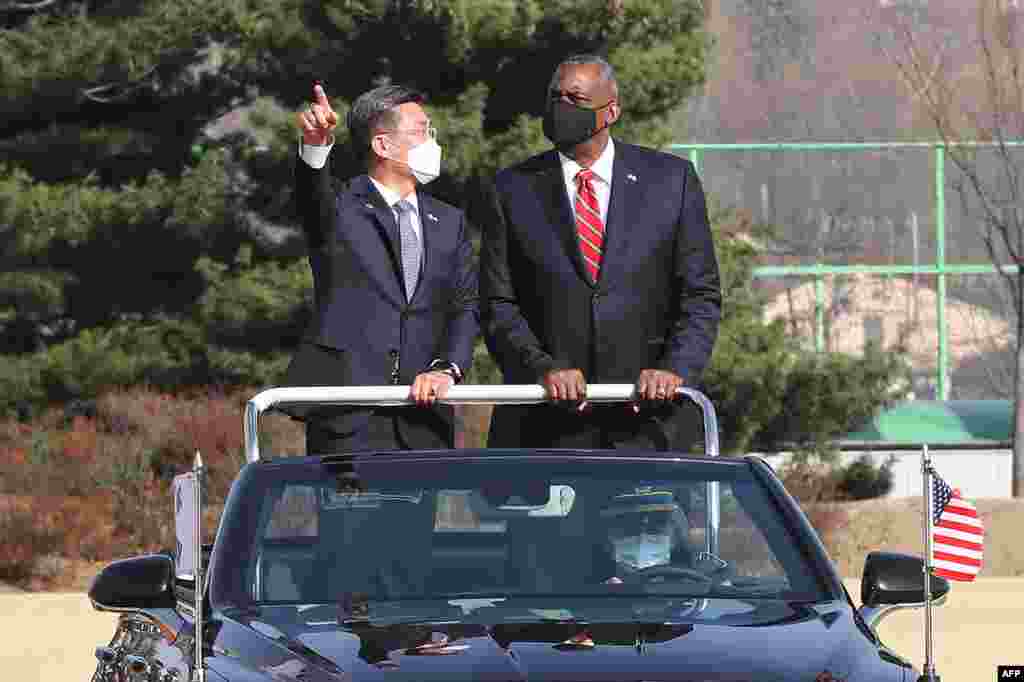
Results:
818 643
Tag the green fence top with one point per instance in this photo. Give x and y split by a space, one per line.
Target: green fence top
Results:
935 421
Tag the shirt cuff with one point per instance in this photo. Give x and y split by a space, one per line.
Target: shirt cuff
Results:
315 155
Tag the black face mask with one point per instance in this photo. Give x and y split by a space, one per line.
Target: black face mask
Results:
567 125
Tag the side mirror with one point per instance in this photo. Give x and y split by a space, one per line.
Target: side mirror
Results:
144 582
892 581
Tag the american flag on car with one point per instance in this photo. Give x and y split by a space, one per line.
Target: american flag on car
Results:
957 533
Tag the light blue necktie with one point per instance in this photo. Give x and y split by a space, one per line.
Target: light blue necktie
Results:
411 251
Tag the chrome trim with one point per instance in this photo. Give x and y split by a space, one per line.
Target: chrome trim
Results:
394 396
187 609
257 588
117 609
873 615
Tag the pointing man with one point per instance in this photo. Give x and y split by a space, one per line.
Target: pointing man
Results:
395 291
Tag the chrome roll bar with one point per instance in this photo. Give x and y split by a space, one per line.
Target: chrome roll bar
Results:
397 396
509 394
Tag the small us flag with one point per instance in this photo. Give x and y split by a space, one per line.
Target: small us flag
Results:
957 533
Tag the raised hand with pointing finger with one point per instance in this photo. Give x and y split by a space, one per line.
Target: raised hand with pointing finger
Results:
318 121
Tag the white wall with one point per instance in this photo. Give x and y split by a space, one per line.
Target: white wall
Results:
977 473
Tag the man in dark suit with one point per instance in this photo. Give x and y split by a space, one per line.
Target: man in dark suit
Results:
597 265
395 291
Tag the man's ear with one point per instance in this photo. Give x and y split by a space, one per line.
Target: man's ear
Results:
380 145
613 112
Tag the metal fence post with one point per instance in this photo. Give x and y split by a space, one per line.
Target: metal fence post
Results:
942 388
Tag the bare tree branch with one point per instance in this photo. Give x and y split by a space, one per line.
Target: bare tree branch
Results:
990 185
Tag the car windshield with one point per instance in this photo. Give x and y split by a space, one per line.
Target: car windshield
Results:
412 533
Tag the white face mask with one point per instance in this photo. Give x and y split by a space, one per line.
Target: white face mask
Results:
643 551
425 161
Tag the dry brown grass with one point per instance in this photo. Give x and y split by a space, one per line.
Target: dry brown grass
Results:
896 525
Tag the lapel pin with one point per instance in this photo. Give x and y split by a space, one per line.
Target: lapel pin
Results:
432 217
631 177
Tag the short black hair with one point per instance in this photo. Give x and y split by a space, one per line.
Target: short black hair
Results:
375 110
607 70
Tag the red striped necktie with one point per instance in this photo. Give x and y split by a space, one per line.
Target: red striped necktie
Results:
589 226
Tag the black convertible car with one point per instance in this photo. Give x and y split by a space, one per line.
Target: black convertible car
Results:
504 565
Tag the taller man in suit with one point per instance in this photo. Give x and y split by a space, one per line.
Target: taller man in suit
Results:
597 266
395 290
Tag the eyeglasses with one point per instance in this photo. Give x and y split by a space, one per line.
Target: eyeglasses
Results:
430 131
577 100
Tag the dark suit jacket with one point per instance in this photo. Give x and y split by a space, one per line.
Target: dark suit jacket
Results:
656 304
363 326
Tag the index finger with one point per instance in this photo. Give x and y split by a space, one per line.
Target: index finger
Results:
319 95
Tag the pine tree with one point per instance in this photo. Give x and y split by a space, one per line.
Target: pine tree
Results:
147 233
145 220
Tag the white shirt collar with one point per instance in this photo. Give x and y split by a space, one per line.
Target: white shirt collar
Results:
602 167
392 197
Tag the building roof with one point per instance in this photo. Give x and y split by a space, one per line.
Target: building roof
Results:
934 421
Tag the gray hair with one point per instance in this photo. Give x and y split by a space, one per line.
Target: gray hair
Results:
607 70
375 110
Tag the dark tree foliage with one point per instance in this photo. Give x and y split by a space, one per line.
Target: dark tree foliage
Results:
147 234
146 229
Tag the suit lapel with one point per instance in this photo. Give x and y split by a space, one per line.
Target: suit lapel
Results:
430 233
377 211
551 188
617 230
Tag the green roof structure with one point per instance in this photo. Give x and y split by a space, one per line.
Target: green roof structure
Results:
940 422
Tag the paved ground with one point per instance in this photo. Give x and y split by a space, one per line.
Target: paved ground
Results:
49 637
979 627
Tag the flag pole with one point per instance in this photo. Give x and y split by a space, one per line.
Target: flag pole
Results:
199 665
928 674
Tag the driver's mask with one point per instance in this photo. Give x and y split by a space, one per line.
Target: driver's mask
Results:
643 551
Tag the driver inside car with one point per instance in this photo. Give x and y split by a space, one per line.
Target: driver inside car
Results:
646 536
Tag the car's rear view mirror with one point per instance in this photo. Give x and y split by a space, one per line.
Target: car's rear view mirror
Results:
502 502
367 499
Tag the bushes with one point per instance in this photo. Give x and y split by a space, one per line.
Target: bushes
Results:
814 480
862 480
819 484
92 481
24 538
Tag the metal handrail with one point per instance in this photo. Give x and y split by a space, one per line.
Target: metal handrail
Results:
509 394
395 396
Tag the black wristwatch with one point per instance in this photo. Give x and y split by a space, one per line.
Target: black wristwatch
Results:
448 367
